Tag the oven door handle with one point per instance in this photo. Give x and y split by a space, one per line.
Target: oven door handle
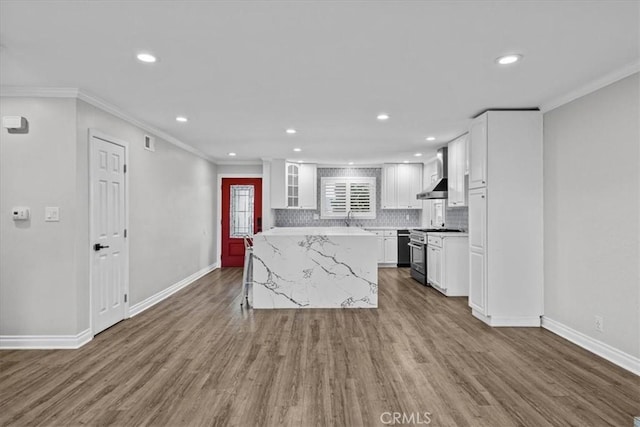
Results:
413 245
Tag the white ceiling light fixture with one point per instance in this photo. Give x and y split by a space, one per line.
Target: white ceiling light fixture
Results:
231 154
382 117
146 57
300 161
291 131
350 163
406 161
512 58
297 150
431 138
182 119
418 155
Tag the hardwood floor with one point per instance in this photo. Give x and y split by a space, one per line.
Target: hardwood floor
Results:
198 359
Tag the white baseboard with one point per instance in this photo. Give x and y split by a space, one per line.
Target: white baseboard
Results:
508 321
613 355
45 342
138 308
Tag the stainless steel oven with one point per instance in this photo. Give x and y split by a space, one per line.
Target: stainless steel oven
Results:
418 262
418 252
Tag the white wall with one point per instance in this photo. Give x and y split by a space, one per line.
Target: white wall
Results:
240 169
44 274
591 214
37 263
172 206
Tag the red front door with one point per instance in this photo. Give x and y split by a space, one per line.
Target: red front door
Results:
241 216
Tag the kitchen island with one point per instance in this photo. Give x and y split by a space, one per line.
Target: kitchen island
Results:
314 267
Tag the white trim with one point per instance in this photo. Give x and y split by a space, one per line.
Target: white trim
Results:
38 92
166 293
590 87
94 133
613 355
52 92
508 321
219 206
45 342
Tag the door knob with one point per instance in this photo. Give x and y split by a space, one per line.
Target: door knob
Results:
98 246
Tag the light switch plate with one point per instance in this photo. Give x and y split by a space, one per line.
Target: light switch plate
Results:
52 213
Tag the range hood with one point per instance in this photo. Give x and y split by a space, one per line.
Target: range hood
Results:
438 189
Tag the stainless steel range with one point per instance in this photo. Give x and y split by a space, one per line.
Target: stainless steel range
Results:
418 251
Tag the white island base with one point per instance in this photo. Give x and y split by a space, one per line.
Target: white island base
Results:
301 267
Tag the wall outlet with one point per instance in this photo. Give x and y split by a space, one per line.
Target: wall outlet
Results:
599 324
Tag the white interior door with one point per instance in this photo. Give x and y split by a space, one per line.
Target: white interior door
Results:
109 250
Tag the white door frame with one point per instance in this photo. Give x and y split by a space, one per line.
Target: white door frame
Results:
219 207
94 133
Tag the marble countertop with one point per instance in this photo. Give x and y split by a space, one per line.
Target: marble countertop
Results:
316 231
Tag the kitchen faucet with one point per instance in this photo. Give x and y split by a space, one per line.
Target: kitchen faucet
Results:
348 219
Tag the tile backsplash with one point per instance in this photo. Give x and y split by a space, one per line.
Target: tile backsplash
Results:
384 217
457 218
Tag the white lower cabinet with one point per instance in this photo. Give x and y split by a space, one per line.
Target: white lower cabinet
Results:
448 263
381 248
477 282
391 248
387 241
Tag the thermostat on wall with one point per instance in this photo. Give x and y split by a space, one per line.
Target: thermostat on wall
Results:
20 213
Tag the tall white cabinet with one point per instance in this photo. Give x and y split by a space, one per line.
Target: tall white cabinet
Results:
505 218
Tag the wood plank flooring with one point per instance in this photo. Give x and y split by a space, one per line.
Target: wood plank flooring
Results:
197 358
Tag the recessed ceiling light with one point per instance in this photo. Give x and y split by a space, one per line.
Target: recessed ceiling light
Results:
291 131
146 57
406 161
509 59
350 163
431 138
231 154
418 154
297 150
382 117
181 119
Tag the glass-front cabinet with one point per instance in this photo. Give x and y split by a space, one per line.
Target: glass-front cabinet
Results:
293 177
293 185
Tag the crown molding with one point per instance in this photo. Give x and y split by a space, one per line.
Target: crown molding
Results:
593 86
53 92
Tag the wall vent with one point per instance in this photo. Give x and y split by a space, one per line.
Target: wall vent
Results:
149 143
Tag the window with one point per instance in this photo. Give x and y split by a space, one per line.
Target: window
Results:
241 214
342 195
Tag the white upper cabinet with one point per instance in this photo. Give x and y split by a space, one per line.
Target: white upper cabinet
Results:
400 184
456 165
293 185
308 186
478 153
389 185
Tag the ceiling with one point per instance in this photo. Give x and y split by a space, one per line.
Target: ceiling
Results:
244 71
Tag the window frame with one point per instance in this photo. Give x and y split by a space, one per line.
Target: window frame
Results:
348 181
